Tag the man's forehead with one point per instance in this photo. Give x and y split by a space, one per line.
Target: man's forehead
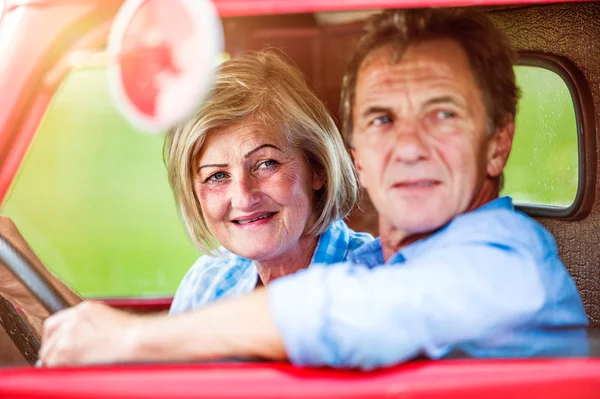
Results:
446 53
428 62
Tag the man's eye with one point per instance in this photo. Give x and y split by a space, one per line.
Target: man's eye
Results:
445 115
382 120
216 177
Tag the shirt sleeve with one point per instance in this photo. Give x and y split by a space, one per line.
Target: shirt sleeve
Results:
348 315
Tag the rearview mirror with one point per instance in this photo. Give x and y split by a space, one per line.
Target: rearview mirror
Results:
163 56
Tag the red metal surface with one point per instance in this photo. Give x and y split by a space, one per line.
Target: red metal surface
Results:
27 55
139 304
571 378
230 8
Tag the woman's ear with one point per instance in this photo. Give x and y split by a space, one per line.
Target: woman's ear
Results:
318 179
499 146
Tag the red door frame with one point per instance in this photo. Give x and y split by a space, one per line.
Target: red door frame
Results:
450 379
27 85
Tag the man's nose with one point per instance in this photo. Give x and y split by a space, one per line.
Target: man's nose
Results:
244 193
409 146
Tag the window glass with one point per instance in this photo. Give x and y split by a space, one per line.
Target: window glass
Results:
93 200
543 164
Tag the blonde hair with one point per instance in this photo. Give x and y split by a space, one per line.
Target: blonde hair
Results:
262 86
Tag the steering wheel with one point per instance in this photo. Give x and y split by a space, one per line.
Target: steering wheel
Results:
17 329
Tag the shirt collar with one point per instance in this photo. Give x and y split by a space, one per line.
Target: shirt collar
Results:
371 254
332 245
499 203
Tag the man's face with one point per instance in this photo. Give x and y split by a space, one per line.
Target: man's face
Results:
421 142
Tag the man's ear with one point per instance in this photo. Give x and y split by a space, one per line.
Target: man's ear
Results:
499 146
357 165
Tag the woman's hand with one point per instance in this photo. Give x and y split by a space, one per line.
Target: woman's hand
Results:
90 333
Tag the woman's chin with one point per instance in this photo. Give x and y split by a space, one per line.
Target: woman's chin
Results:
256 252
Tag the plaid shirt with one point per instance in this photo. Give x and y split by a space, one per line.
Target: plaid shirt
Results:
215 277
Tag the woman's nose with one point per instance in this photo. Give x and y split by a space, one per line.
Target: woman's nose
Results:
245 195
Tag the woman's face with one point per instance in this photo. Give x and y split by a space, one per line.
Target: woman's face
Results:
256 192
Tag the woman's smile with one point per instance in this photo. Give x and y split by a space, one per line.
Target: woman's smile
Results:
256 190
254 220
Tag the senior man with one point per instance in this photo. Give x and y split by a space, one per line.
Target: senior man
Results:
428 107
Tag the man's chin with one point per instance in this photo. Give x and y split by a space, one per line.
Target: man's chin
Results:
410 208
421 223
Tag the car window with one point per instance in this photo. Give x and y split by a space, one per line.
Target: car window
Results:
543 166
93 200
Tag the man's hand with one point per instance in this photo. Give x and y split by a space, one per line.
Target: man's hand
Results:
90 333
94 333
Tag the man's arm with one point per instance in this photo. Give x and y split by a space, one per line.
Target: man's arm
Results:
342 315
352 316
241 327
95 333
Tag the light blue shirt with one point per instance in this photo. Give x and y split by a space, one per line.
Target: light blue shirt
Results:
489 283
216 277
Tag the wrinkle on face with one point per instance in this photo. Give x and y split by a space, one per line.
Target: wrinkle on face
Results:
404 86
284 189
420 119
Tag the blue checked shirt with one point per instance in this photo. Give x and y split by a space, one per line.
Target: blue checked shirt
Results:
212 277
488 284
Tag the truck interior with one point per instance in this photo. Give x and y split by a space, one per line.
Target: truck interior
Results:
557 42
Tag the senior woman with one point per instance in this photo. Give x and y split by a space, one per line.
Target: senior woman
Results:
262 181
262 170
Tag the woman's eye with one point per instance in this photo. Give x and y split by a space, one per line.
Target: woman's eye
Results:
216 177
269 164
